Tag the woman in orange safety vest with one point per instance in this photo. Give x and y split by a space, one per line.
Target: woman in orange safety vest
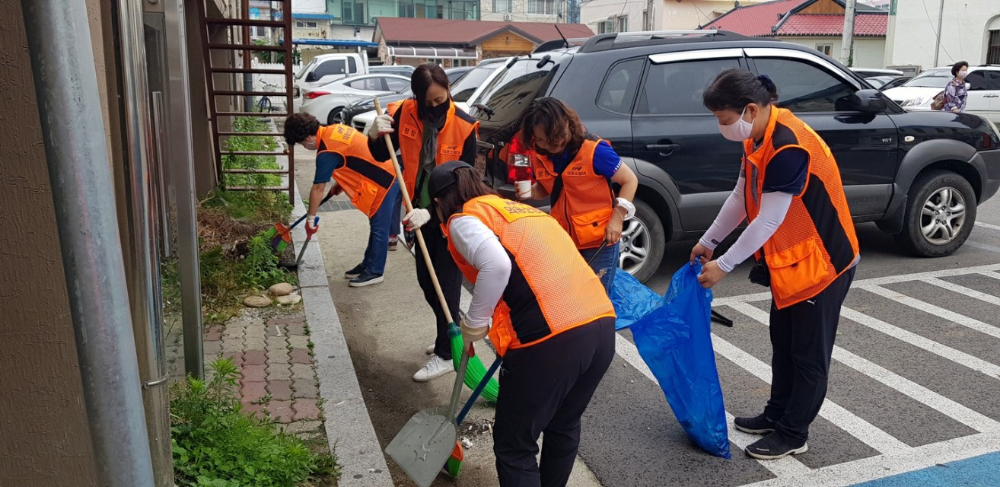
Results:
552 321
429 130
576 170
802 238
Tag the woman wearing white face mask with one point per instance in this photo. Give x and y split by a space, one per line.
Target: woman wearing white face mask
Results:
955 93
803 242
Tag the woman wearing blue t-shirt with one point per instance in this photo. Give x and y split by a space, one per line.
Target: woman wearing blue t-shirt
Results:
576 170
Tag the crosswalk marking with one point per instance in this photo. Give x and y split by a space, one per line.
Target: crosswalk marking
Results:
987 225
992 275
944 351
942 313
972 293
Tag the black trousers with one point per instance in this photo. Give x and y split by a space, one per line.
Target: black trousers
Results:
802 337
449 276
545 388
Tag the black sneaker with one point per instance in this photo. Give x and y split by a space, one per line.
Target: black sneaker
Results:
365 279
355 272
757 425
773 447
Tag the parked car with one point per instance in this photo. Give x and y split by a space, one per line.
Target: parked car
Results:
325 102
883 83
983 83
402 70
456 73
899 168
324 69
869 72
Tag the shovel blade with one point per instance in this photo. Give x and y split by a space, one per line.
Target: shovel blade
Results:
424 445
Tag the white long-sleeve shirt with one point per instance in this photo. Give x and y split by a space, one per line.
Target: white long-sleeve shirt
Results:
481 248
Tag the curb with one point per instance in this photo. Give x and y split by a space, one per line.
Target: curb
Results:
348 426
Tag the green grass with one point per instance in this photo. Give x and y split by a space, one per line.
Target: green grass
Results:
258 143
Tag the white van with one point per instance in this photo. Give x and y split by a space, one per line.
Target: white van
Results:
324 69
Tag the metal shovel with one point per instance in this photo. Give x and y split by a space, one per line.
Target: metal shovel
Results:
424 444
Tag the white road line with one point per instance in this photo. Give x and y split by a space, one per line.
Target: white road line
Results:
972 293
864 431
987 225
942 313
785 467
944 351
881 466
993 275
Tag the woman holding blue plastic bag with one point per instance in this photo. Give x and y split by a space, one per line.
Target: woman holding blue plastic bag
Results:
803 242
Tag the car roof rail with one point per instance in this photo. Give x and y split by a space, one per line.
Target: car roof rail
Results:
560 44
619 40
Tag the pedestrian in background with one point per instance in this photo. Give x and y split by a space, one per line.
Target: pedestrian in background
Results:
429 130
955 93
575 169
802 238
553 323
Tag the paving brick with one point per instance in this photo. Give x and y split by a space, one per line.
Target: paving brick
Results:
281 411
233 345
254 342
280 390
233 332
296 330
212 348
300 427
274 330
305 389
298 341
213 334
300 356
254 373
279 372
278 356
303 371
256 331
276 343
257 410
236 356
287 320
254 357
305 409
253 391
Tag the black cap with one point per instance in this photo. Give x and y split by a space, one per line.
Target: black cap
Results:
443 177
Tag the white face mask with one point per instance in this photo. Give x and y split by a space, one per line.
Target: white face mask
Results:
309 145
963 74
738 131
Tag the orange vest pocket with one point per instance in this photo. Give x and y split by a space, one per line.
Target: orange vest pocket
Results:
364 197
797 269
589 227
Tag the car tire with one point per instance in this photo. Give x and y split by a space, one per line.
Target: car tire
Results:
940 230
334 116
644 233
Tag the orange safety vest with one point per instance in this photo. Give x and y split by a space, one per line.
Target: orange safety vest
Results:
585 205
365 180
451 138
816 241
550 290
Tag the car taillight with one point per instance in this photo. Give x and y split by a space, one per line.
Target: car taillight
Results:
518 162
315 94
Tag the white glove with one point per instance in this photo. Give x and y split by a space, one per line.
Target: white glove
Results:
471 334
380 126
416 219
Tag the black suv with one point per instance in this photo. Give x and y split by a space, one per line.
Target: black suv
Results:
918 175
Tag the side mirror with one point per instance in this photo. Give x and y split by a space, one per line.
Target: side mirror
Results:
869 101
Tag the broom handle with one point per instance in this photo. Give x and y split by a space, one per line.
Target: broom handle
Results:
303 217
409 208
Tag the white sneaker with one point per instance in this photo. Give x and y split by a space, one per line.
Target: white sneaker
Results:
430 350
434 368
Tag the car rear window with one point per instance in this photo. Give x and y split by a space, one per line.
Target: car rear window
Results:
469 82
930 79
510 91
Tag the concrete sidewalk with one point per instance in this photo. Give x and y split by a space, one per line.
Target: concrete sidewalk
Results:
387 327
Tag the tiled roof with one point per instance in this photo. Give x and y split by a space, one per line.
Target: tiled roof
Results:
468 32
762 19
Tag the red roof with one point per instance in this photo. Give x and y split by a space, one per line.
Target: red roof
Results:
469 32
780 18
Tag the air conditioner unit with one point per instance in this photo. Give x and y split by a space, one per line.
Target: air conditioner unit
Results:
507 16
373 20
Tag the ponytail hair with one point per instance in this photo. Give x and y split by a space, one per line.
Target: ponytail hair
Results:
734 89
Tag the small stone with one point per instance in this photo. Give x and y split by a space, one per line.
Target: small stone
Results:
282 289
289 300
257 301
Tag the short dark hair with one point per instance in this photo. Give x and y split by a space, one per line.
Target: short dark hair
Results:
958 67
468 185
735 88
552 114
300 126
423 77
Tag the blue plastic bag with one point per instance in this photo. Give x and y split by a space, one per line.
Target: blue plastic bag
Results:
673 336
632 300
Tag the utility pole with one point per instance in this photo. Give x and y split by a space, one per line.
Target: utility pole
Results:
650 15
848 41
937 43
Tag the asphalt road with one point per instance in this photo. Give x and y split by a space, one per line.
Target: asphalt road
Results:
914 382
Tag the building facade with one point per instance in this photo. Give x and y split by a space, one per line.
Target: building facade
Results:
604 16
970 31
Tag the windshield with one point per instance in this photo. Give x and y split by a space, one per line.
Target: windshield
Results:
471 81
305 69
930 79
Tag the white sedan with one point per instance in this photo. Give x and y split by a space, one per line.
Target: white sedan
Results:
324 102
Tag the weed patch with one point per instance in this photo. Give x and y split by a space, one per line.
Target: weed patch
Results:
250 143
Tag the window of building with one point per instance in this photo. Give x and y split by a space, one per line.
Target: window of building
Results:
993 49
354 13
685 82
623 24
804 87
605 27
542 7
825 48
502 6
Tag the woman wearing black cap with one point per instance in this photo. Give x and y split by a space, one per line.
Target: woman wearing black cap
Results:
553 323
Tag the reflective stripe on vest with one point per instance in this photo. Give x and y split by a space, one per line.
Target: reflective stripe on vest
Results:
365 180
450 142
551 288
816 241
586 202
